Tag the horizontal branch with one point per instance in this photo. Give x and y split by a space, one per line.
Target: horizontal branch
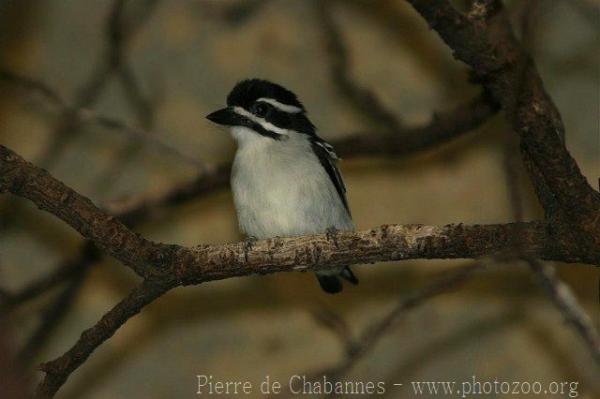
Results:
386 243
380 244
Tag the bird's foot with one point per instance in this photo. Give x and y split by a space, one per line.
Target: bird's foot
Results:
331 234
249 245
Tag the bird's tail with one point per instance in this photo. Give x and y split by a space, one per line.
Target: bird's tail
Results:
331 284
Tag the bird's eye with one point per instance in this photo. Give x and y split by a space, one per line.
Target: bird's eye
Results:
260 109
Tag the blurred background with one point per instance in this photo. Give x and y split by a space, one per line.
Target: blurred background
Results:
157 68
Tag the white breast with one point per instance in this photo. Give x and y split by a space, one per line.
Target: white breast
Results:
280 188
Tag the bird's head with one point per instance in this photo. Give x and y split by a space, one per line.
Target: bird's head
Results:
256 106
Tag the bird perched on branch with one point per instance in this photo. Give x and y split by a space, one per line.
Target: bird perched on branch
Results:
285 181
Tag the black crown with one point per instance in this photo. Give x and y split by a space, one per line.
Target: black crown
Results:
246 92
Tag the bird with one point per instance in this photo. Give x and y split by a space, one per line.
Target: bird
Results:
284 179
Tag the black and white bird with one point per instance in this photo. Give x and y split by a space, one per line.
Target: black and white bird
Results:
285 181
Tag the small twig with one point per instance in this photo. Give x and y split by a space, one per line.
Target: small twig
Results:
373 334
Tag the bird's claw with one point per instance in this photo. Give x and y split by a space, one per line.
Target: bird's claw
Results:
331 234
249 245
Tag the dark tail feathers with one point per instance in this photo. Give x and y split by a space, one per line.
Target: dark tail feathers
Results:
331 284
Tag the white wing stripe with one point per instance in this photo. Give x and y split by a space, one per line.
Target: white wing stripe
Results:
329 148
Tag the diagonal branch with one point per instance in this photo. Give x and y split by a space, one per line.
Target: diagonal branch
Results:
567 303
57 371
373 334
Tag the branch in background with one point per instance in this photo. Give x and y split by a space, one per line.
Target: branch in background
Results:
511 78
119 31
329 320
364 100
242 11
86 116
365 344
185 266
64 272
166 266
442 128
52 316
564 299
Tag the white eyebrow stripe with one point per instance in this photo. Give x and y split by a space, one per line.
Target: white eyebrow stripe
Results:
266 125
290 109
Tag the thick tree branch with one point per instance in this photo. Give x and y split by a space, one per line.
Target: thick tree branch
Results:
509 74
28 181
149 259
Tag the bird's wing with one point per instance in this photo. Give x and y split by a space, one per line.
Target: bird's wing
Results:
327 156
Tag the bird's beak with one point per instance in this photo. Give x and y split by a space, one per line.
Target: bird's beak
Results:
225 116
